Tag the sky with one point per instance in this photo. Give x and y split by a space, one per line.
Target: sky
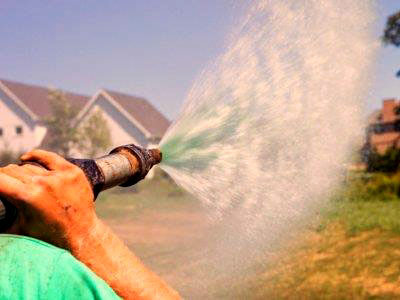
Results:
150 48
385 84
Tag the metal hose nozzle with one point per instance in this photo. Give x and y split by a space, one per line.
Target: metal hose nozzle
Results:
125 166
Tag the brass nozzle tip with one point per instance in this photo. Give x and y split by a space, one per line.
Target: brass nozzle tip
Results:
157 155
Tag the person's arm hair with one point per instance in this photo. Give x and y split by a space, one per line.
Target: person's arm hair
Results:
56 205
103 252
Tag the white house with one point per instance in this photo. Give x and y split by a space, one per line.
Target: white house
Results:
22 107
130 119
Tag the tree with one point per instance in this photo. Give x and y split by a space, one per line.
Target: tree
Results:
96 135
391 35
392 30
388 162
63 134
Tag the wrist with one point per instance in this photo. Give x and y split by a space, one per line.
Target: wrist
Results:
84 234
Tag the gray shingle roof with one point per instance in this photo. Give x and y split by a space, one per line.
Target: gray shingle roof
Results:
142 111
36 97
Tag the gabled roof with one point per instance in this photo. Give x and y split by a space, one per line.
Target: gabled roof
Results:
143 112
35 98
138 110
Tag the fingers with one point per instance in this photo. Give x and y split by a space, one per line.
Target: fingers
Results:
17 172
11 188
49 160
35 170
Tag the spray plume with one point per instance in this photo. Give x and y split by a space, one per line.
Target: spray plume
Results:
267 127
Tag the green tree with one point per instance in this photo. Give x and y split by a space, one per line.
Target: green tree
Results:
63 134
388 162
391 34
96 135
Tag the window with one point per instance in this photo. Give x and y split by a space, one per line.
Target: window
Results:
18 130
1 131
397 126
386 127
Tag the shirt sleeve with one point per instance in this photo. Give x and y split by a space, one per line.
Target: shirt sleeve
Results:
71 279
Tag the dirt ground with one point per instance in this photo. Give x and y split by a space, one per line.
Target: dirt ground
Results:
169 231
169 239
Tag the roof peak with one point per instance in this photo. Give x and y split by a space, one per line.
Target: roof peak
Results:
125 94
37 86
35 98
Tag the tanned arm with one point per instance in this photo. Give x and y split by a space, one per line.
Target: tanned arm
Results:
56 205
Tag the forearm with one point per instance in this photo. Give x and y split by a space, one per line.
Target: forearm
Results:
106 255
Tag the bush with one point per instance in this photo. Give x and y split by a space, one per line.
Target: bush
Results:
370 187
388 162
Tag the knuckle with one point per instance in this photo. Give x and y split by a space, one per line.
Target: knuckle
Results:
35 152
75 173
36 192
67 177
10 167
68 166
79 173
43 184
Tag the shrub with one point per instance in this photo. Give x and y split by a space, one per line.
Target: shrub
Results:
368 187
388 162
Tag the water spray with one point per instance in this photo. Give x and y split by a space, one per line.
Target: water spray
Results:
263 135
124 166
267 126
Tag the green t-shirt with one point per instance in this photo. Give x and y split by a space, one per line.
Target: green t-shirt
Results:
32 269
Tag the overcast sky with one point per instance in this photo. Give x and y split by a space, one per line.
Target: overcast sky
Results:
150 48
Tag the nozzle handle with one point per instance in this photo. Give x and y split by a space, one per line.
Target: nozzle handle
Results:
125 166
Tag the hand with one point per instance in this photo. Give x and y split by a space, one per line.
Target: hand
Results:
54 204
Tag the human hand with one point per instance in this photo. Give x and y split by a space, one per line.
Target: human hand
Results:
54 203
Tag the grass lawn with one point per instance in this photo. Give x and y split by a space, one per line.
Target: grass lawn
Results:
353 254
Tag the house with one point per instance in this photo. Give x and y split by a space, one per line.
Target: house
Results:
383 129
130 119
22 109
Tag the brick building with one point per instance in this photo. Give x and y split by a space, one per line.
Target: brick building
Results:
383 129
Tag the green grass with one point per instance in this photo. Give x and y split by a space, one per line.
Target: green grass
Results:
359 216
367 202
353 254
